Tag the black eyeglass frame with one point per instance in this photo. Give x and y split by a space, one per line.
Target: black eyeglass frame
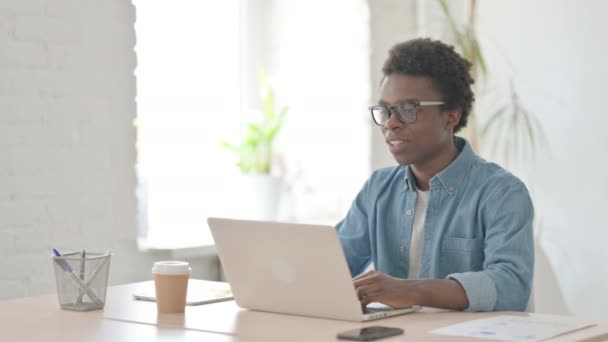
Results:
407 118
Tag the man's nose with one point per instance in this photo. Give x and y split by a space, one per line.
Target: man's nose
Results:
393 122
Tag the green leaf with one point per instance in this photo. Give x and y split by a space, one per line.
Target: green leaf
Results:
458 35
283 112
271 133
529 126
255 148
480 58
229 146
494 118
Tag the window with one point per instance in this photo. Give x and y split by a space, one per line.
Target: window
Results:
188 99
197 67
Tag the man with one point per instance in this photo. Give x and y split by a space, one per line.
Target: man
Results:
444 228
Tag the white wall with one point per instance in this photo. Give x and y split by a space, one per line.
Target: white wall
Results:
558 55
67 140
391 22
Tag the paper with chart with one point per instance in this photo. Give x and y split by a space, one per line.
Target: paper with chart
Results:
513 328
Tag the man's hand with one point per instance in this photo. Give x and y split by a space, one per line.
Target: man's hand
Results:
374 286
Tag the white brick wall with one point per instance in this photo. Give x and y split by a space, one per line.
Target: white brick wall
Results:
67 140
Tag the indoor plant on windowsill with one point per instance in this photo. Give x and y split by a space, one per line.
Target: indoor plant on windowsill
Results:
260 189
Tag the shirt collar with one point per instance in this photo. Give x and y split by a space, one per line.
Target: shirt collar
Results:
449 178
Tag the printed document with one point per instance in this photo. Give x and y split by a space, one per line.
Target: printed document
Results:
514 328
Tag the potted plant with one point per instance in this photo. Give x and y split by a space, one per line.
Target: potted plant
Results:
511 132
260 188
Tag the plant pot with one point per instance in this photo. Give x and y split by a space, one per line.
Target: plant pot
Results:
260 197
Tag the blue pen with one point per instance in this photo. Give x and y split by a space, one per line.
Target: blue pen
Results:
64 264
66 267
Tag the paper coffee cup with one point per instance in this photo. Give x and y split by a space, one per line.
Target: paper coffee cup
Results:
171 283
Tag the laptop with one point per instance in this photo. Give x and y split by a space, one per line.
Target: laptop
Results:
291 268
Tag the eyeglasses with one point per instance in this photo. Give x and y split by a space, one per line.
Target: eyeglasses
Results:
406 111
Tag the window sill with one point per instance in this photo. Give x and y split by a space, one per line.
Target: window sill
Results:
182 249
178 250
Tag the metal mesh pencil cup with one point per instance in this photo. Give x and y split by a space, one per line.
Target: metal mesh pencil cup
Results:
82 282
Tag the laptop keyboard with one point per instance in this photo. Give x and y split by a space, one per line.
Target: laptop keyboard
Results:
376 309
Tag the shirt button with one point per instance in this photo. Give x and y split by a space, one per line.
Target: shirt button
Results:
451 189
402 249
408 212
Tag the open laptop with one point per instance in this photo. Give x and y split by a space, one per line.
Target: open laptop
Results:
291 269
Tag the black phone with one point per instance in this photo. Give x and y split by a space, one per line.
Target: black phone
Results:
369 333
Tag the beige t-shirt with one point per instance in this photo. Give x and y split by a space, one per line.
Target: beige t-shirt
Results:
417 238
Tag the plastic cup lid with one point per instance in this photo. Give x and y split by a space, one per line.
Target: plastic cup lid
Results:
171 267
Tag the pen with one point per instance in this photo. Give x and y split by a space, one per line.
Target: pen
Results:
82 265
99 266
67 268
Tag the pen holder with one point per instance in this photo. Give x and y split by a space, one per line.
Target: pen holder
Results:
82 282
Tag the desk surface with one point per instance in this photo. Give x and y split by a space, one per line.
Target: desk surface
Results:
40 318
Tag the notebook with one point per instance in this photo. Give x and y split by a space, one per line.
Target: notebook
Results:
199 292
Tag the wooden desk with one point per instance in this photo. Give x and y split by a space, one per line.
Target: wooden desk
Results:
228 318
41 319
125 319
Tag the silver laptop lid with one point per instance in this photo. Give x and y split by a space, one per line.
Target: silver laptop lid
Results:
286 268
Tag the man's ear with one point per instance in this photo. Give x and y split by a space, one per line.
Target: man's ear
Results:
452 118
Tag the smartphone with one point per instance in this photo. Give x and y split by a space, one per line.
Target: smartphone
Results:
369 333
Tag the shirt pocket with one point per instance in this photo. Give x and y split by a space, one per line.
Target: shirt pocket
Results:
461 254
461 245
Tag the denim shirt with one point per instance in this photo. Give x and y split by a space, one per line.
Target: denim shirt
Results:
478 229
